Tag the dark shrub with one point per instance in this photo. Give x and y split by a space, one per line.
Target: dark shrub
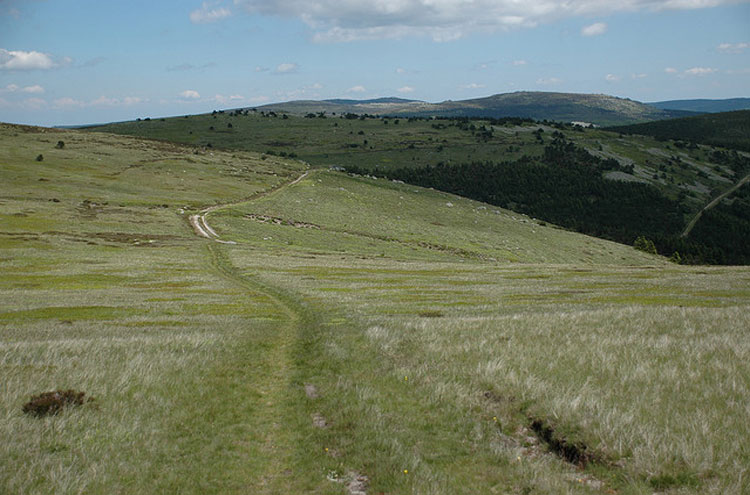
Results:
51 403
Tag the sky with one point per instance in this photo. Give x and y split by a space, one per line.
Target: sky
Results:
68 62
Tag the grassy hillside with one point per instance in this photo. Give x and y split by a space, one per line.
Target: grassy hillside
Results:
564 107
348 334
677 179
728 129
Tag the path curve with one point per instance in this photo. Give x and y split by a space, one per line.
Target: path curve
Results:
713 203
203 229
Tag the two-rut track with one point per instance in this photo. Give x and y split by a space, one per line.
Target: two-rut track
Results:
269 361
203 229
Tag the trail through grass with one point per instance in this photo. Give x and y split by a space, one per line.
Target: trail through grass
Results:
434 331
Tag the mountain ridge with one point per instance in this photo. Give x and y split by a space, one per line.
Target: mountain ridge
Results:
597 109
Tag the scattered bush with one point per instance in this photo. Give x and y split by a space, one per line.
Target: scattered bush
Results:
39 157
646 245
51 403
60 145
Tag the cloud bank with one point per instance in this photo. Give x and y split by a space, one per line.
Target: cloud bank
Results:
444 20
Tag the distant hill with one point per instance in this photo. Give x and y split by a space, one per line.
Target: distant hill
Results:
727 129
704 105
340 101
601 110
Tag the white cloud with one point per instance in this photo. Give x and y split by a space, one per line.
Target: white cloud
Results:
444 20
209 12
733 47
190 94
13 88
400 70
132 100
356 89
34 103
102 101
519 63
699 71
473 86
223 100
405 89
638 76
595 29
550 81
612 78
670 70
35 89
286 68
20 60
67 102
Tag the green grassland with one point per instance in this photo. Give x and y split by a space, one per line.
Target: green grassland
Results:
359 335
690 173
513 163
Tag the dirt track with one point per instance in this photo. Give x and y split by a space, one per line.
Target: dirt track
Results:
203 229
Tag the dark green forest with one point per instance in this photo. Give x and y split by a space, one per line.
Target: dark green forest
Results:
565 186
727 129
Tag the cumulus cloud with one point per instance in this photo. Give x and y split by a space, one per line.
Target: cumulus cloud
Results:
443 20
286 68
190 94
612 78
638 76
595 29
670 70
356 89
208 13
519 63
405 89
20 60
473 86
732 47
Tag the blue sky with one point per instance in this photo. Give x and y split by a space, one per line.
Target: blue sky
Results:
73 62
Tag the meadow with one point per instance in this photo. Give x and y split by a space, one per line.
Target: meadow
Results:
360 335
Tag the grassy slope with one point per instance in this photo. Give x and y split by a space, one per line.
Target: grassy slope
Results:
336 141
106 289
429 347
475 343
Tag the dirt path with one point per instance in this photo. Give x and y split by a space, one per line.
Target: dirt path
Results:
203 229
713 203
269 371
